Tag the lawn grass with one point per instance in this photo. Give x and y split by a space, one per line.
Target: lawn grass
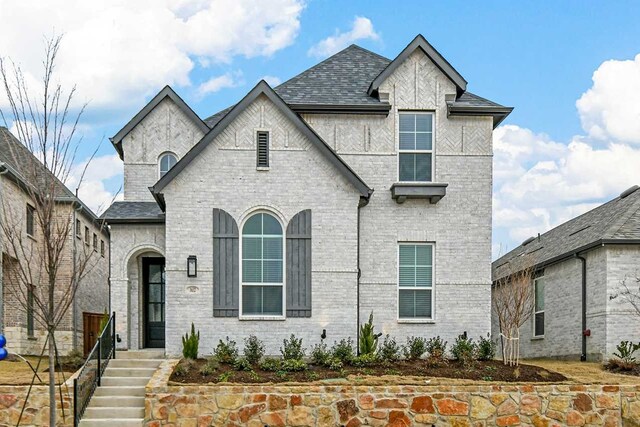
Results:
18 372
583 372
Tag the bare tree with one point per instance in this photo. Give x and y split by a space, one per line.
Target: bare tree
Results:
45 123
513 304
630 292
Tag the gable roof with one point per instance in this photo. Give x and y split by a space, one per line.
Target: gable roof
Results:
165 92
617 221
469 104
419 42
263 88
124 212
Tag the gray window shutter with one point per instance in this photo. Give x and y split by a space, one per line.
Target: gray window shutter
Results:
226 265
299 265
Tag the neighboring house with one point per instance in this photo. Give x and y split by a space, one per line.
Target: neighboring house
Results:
88 235
579 270
361 185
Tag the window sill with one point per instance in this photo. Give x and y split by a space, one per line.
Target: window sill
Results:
32 237
262 168
32 338
538 338
433 191
430 321
263 318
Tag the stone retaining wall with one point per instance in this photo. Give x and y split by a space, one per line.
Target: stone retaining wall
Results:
386 405
37 410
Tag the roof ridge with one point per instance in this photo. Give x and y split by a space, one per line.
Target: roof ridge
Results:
368 51
621 220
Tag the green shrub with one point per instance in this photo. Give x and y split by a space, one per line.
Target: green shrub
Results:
625 352
486 348
365 360
343 350
270 364
390 350
75 359
210 367
242 364
190 343
253 349
292 349
415 348
293 365
464 350
226 351
437 348
368 343
335 364
320 354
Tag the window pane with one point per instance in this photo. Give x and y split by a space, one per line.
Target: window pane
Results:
424 122
423 276
252 271
253 225
423 167
271 225
172 161
155 273
539 324
155 313
155 293
414 304
408 255
272 272
406 167
423 254
407 141
252 300
272 247
407 122
423 303
407 276
423 141
272 300
539 288
251 248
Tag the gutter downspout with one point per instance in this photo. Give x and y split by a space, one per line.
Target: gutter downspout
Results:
362 203
3 170
585 333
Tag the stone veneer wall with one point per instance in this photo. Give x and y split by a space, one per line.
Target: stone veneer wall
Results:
37 410
327 404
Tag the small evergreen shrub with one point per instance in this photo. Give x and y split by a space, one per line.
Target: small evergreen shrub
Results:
390 350
270 364
464 350
292 349
486 348
436 351
368 338
414 348
242 364
190 343
253 349
365 360
226 351
343 351
293 365
335 364
624 357
320 354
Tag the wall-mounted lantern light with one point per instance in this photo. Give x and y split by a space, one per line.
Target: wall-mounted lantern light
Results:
192 266
324 334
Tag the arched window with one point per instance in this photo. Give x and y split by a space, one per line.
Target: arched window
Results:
262 266
167 161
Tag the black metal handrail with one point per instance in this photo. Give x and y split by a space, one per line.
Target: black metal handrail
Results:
90 375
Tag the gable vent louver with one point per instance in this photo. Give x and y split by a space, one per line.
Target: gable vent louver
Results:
263 150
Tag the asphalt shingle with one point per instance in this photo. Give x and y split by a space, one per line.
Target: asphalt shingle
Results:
133 211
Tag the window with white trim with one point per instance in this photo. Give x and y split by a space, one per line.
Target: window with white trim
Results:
167 161
415 149
415 281
538 316
262 266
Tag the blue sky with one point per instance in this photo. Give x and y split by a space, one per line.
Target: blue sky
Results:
554 159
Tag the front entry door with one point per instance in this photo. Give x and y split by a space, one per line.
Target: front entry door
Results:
154 297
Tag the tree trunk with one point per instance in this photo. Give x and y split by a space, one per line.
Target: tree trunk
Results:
52 380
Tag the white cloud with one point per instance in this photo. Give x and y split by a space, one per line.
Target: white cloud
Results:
92 190
610 109
361 29
118 51
215 84
272 80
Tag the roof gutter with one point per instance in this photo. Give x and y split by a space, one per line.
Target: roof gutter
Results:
382 108
498 113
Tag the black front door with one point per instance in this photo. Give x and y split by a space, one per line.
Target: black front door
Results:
153 277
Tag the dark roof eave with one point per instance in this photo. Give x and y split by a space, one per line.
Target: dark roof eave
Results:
498 113
381 109
159 220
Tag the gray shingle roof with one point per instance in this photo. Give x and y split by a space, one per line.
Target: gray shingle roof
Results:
468 99
122 212
616 220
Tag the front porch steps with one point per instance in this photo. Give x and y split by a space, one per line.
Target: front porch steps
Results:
121 393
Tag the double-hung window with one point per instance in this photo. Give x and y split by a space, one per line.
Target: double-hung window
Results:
415 281
415 154
31 220
262 266
538 322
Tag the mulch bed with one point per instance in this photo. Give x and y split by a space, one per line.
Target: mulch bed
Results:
493 370
616 369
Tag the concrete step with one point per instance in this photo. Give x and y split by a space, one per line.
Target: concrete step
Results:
140 354
112 422
128 391
124 381
128 372
120 412
134 363
116 401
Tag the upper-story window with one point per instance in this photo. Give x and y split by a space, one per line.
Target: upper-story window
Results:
262 266
31 221
415 154
167 161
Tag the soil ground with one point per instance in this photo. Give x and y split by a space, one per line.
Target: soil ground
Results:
18 372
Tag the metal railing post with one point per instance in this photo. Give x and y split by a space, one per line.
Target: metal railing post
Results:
75 402
113 338
99 361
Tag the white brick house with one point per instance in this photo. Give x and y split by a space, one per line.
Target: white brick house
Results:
580 267
362 184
